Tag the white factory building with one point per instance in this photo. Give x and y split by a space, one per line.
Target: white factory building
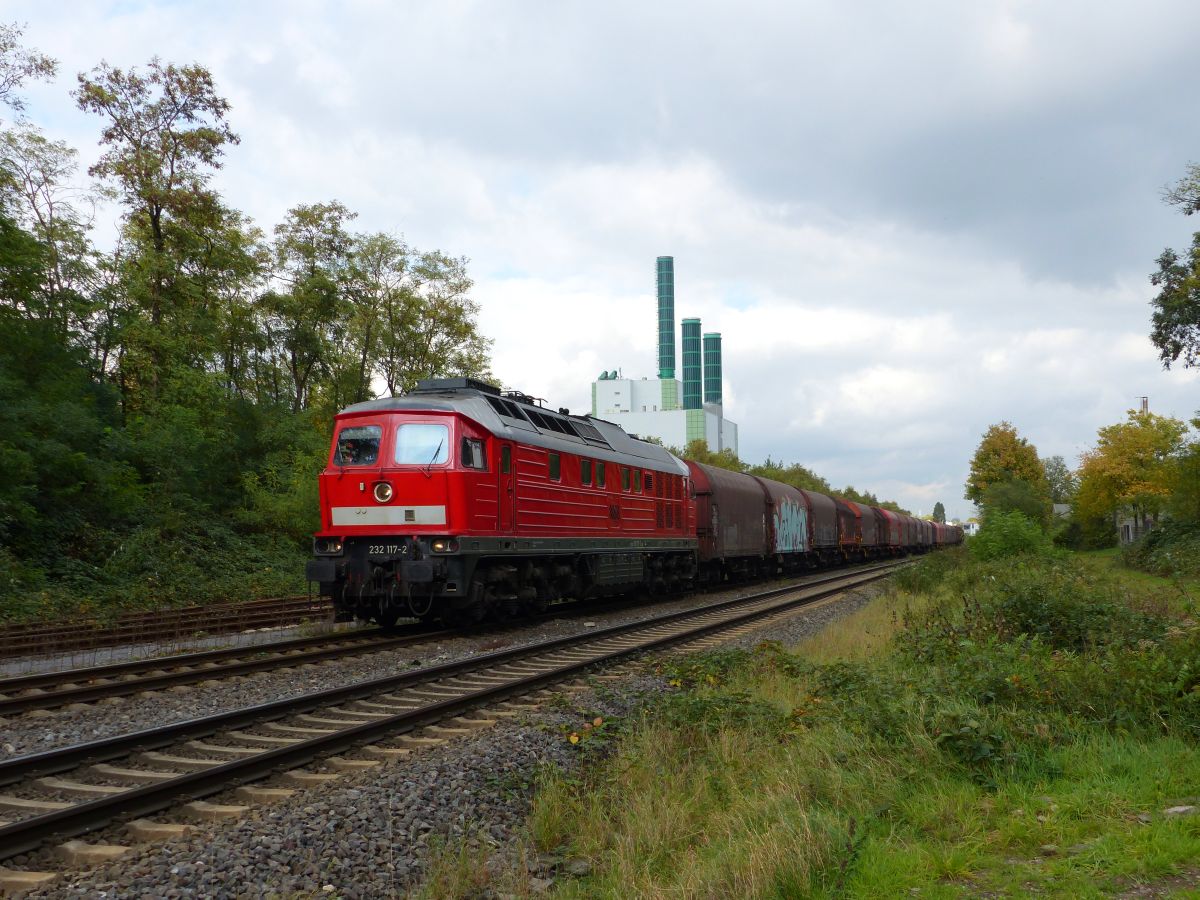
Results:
676 412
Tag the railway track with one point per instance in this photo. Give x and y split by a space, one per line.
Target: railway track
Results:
160 625
50 690
63 793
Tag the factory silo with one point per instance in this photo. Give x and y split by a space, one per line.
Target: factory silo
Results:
692 380
666 316
712 367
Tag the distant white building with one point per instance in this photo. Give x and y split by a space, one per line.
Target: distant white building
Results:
675 412
648 407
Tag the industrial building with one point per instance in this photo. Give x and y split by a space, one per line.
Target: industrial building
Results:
676 412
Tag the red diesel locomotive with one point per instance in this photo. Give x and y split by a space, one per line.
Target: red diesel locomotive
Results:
457 502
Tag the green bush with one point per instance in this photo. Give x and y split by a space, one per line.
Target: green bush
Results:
930 571
1172 550
1007 534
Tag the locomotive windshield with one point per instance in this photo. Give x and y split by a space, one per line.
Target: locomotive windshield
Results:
358 446
420 444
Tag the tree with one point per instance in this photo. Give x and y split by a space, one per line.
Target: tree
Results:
697 451
430 324
1132 466
1003 455
1015 495
41 172
312 263
18 65
1060 479
1176 316
165 134
939 512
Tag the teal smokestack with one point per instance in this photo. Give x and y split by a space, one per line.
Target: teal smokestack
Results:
691 364
666 316
712 367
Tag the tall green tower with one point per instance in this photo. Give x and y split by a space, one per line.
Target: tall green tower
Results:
691 364
712 367
665 267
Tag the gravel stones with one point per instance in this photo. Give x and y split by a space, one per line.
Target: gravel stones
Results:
370 835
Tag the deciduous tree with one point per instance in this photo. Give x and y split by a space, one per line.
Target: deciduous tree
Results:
939 512
1176 316
1133 465
1003 455
1060 479
165 133
18 65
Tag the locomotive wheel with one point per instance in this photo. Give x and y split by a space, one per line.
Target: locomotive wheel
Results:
387 618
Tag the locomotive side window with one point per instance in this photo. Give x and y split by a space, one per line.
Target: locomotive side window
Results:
473 454
506 459
421 444
555 467
600 474
358 446
637 481
624 479
585 471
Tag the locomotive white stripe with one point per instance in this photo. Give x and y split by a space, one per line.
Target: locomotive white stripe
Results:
389 515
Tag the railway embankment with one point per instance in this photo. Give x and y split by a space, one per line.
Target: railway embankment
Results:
1026 725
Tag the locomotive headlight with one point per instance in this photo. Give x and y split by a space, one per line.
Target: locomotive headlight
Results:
383 492
444 545
328 546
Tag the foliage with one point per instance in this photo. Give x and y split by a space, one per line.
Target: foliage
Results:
1005 456
1172 549
1132 465
1008 533
1060 479
1176 316
18 65
1015 495
165 403
939 512
1083 531
697 451
1010 691
929 571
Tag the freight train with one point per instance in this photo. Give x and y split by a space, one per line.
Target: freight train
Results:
460 502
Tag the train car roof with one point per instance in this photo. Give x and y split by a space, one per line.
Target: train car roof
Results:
517 418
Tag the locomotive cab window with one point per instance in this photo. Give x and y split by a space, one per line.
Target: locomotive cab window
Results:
358 446
422 444
473 454
555 467
585 471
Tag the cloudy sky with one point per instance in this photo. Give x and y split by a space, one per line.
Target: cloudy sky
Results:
909 221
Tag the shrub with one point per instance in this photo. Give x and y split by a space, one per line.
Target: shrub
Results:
1172 549
930 571
1007 534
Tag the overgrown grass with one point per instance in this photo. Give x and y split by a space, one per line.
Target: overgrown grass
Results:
991 727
